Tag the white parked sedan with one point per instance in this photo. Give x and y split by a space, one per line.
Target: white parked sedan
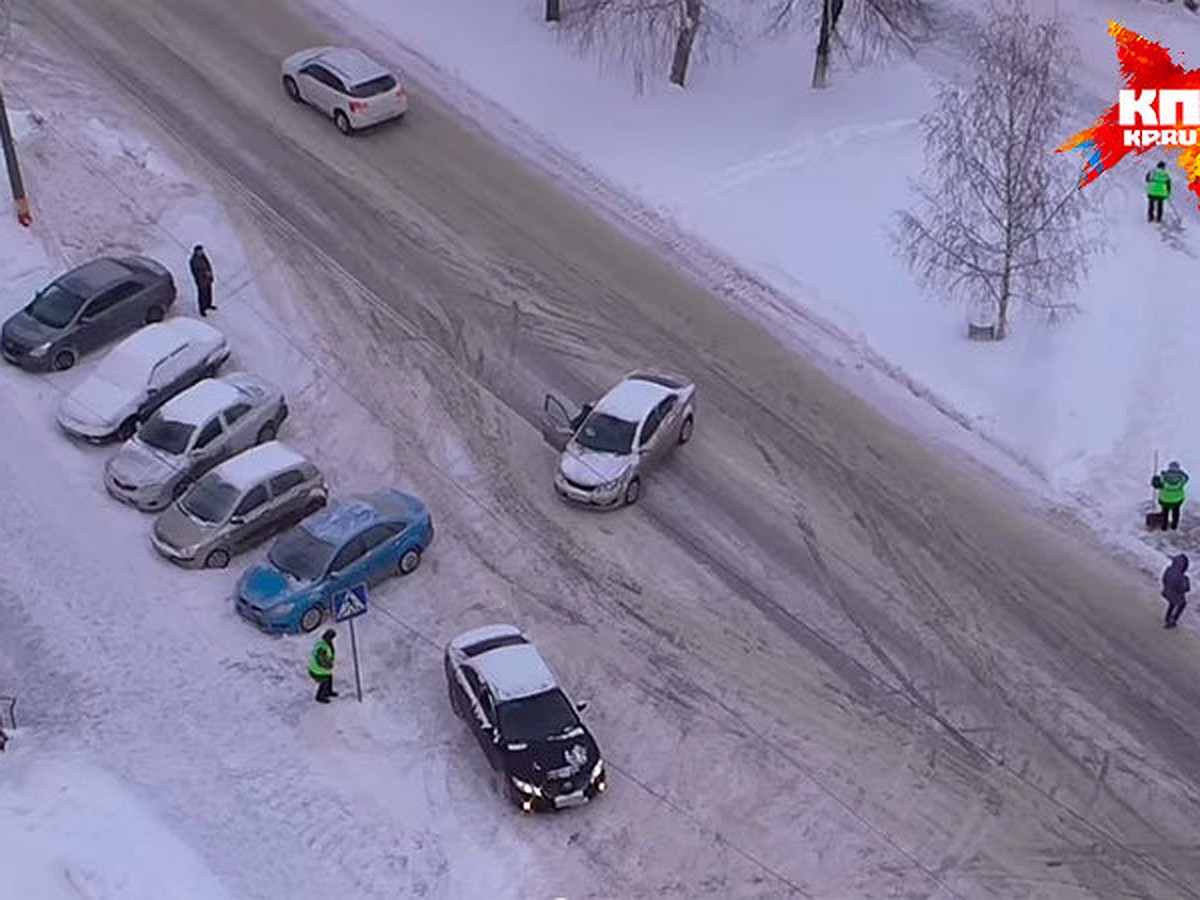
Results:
608 447
209 422
346 85
139 375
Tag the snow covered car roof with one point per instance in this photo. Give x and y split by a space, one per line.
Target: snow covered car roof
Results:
197 404
353 65
339 523
250 467
152 343
632 399
515 671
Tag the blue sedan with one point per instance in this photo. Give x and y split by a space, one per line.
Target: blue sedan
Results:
362 540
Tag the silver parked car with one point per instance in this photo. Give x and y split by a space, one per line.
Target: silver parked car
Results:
238 505
346 85
85 309
608 446
209 422
138 376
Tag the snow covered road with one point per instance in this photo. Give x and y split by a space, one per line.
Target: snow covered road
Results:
824 660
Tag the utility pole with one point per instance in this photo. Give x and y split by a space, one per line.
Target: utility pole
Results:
14 168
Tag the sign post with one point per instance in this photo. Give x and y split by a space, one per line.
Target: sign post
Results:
348 605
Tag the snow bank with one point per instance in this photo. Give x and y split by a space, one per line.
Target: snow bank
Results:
70 830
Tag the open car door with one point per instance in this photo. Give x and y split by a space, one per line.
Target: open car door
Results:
556 423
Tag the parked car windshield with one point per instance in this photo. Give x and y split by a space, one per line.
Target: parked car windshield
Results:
54 306
301 555
606 434
380 85
536 718
125 368
210 500
166 435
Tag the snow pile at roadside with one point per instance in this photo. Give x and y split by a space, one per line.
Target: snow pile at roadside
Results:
800 187
70 830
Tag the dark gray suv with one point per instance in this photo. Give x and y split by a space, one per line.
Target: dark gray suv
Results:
86 309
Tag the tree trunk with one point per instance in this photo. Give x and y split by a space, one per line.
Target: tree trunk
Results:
688 30
553 10
1002 306
821 66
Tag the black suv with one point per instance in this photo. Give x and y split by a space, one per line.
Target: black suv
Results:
528 729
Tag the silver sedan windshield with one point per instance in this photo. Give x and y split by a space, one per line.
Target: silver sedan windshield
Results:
210 500
606 434
166 435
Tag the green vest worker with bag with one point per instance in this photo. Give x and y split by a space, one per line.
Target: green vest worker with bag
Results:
1158 189
1171 484
320 666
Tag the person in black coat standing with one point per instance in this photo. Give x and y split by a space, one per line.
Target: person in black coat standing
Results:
1175 588
202 274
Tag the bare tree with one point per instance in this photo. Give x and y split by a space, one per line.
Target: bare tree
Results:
1001 217
865 28
642 34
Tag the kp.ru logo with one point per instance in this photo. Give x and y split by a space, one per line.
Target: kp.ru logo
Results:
1159 107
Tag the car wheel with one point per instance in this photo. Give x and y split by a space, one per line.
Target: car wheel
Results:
154 314
314 504
63 360
342 121
409 560
453 700
685 430
633 491
266 433
291 88
217 559
311 620
128 429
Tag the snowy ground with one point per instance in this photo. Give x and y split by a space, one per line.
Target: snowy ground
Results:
800 188
179 705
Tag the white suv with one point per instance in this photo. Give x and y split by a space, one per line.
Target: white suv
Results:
346 85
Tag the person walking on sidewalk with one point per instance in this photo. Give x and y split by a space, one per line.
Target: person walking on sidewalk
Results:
1175 589
1171 484
320 666
1158 191
202 274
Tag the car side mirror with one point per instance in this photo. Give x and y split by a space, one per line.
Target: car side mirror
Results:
581 706
151 390
237 520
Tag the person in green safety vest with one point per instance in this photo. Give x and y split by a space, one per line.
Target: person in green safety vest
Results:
320 666
1158 189
1171 484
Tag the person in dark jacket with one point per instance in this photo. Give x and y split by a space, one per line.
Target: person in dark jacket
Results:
202 274
1175 588
320 666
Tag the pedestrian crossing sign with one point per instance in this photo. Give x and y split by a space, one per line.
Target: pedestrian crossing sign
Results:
350 603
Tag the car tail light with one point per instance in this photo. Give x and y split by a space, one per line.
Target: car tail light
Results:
358 106
400 92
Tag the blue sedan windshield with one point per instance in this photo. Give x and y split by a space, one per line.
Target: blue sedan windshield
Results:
301 555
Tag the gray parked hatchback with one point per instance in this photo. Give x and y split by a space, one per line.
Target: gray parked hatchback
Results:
211 421
238 505
85 309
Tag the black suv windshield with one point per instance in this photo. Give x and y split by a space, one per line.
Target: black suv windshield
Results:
302 555
210 500
54 306
605 434
537 718
380 85
166 435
